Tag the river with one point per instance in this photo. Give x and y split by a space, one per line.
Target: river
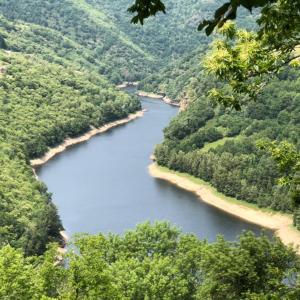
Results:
103 185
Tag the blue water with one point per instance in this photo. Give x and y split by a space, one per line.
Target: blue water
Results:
103 185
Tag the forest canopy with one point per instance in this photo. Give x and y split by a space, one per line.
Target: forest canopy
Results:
155 262
244 60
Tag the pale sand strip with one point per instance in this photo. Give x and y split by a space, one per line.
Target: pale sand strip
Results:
127 84
63 250
280 223
157 96
149 95
72 141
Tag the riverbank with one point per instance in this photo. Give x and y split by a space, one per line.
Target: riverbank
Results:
127 84
72 141
281 224
166 99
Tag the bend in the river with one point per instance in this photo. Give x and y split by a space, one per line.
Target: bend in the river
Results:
103 185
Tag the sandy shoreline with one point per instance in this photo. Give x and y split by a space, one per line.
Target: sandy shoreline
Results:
127 84
72 141
149 95
157 96
280 223
140 93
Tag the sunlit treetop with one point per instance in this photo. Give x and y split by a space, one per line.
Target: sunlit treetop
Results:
244 61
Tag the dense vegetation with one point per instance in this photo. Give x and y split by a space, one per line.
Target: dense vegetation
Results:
220 145
53 58
56 101
99 34
55 53
173 78
155 262
167 37
41 104
100 41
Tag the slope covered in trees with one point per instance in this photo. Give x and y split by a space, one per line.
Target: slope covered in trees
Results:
99 33
49 44
220 145
41 104
103 43
167 37
174 78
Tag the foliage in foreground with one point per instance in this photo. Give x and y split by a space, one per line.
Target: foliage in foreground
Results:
244 60
154 262
287 158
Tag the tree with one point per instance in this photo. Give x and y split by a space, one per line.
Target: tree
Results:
287 158
251 266
244 60
154 262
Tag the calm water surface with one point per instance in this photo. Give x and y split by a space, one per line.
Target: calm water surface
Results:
103 185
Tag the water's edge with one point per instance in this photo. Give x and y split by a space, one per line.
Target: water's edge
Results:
86 136
206 213
281 224
52 152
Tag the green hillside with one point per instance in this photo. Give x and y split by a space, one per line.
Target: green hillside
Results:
174 78
167 37
41 104
86 28
220 145
48 44
99 33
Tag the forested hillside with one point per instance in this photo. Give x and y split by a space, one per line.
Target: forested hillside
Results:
41 104
102 43
99 34
167 37
174 78
220 145
49 44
